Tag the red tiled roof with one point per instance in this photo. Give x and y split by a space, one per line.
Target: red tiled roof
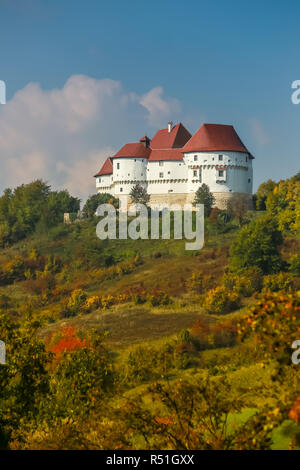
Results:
170 146
165 154
215 137
177 138
106 168
135 149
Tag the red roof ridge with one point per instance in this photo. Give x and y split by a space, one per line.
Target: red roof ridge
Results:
214 137
133 149
106 169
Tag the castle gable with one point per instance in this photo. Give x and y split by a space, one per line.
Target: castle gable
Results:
169 138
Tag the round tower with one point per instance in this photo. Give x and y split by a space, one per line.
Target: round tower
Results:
130 166
216 156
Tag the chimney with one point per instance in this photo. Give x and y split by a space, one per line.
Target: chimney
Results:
145 140
170 124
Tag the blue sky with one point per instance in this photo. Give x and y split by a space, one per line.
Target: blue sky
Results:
222 61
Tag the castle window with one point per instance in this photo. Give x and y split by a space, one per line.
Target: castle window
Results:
246 158
195 158
121 190
195 173
249 180
161 175
220 158
118 166
221 173
161 163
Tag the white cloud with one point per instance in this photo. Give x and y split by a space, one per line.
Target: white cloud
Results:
160 109
64 135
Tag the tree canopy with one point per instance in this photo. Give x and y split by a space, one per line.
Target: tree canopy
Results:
31 205
95 200
139 195
204 196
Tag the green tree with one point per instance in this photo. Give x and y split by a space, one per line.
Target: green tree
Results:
284 204
58 203
204 196
139 195
262 193
81 379
31 206
257 245
24 379
95 200
188 415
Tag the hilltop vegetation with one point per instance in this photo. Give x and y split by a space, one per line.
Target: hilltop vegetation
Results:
138 344
32 208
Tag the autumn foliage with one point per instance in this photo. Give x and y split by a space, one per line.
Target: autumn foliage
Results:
68 341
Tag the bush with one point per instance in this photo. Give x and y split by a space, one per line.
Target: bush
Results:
221 300
138 299
274 323
119 270
58 232
158 298
107 301
75 303
199 283
207 335
92 303
145 363
294 265
277 282
249 282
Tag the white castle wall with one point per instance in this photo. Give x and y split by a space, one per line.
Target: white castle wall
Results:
237 168
127 172
181 179
166 177
104 184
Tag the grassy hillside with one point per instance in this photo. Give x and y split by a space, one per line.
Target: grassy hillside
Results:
119 335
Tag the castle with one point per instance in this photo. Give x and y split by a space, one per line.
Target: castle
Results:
174 164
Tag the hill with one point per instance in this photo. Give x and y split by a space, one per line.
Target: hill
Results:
142 344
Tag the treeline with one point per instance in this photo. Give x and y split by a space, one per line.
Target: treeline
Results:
32 207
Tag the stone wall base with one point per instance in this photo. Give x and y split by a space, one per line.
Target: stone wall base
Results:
168 199
221 199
